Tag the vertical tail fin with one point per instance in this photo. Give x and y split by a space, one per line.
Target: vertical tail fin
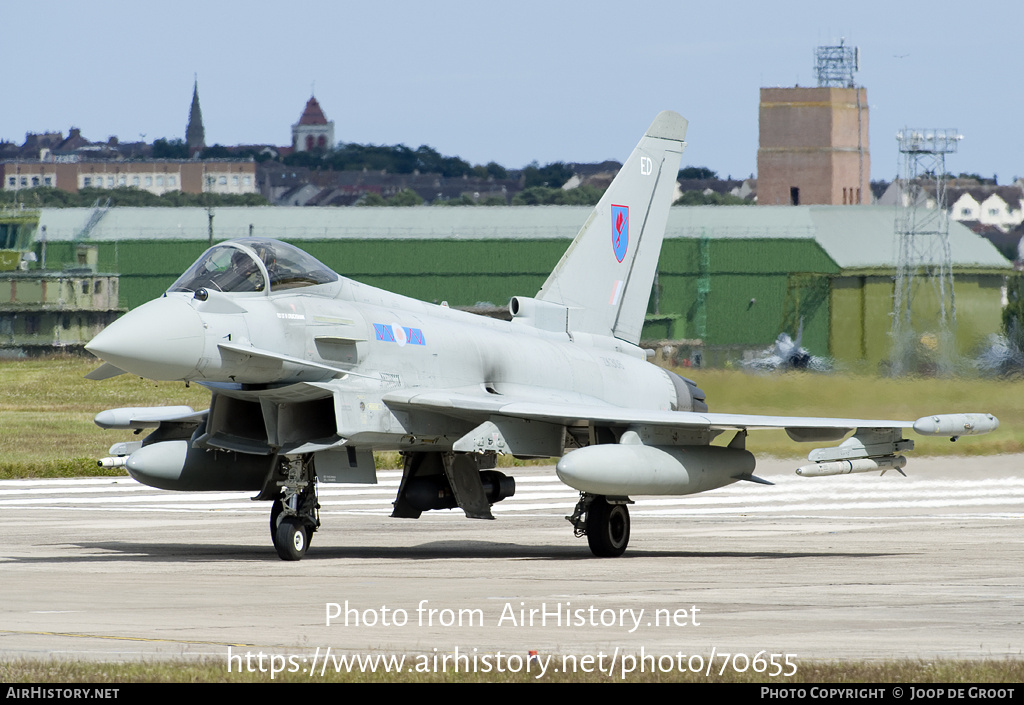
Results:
605 276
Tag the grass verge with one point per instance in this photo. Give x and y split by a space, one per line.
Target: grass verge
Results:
209 670
47 406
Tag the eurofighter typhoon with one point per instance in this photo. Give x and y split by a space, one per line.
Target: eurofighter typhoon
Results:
311 372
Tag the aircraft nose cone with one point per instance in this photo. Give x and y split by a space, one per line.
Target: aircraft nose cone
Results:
161 340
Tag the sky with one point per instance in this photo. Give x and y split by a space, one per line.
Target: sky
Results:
511 82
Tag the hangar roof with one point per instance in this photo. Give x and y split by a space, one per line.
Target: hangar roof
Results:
855 237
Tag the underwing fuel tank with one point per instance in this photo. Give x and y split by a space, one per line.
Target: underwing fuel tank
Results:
174 465
636 469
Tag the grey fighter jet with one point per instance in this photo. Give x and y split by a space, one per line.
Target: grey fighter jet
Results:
787 354
311 372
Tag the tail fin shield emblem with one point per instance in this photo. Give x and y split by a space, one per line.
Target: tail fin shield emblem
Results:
620 231
582 281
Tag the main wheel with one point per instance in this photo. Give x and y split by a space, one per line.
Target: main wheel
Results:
607 528
291 538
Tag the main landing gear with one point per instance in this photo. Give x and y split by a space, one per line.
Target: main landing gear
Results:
604 521
295 516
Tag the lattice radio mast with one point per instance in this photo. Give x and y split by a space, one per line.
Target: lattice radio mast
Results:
835 65
924 307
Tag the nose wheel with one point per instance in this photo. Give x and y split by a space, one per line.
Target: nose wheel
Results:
291 539
294 516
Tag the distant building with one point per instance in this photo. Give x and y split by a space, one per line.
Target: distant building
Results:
39 146
155 176
313 132
994 212
46 310
813 147
41 310
73 163
53 147
998 206
983 207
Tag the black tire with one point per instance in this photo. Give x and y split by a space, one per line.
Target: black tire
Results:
292 539
607 528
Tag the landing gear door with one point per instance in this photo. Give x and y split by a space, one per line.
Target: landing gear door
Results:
345 465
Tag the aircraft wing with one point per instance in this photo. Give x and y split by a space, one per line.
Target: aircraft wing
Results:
468 406
527 426
688 419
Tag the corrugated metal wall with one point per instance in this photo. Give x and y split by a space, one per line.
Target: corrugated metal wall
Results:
862 314
750 288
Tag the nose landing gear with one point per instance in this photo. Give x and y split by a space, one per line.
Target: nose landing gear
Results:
295 514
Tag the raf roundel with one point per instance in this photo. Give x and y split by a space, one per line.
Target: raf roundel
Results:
620 231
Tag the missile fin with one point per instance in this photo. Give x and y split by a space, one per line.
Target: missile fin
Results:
753 478
105 371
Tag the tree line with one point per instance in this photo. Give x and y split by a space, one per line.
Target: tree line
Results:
49 197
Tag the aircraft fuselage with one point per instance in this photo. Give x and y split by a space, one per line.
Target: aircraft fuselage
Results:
356 343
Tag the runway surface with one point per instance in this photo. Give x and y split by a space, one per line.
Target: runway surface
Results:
857 566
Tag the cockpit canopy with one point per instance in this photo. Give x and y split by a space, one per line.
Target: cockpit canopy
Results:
247 264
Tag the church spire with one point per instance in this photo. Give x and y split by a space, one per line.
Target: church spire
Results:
195 135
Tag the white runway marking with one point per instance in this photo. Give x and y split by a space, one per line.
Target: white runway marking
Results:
539 491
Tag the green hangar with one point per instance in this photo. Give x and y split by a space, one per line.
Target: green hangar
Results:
730 279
